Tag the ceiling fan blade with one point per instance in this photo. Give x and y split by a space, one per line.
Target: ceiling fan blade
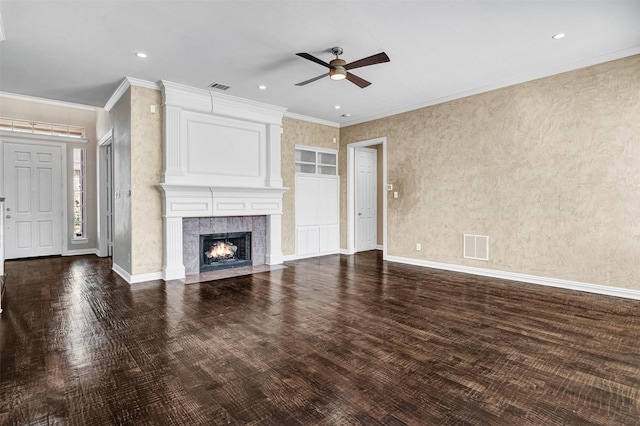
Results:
313 59
357 80
371 60
311 80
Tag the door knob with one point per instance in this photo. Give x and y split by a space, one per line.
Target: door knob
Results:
8 216
359 213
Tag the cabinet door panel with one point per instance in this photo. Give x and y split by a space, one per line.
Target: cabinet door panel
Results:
302 241
327 204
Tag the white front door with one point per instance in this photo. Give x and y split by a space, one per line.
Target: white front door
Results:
366 180
33 205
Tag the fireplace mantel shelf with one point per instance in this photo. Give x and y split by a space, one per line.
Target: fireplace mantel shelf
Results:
204 201
171 188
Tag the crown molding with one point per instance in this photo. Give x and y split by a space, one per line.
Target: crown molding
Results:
124 85
612 56
311 119
43 101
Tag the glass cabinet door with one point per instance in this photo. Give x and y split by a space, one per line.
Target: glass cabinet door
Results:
316 162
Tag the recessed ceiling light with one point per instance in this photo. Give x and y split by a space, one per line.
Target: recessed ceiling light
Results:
337 107
262 87
558 36
141 54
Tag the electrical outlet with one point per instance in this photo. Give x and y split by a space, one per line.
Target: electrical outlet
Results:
418 246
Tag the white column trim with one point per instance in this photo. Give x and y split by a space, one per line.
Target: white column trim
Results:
274 240
173 268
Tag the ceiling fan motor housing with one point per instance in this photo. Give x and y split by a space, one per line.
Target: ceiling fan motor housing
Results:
337 71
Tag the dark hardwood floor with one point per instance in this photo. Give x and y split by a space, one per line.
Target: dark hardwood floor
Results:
337 340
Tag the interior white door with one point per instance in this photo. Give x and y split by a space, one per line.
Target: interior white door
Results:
33 205
366 200
108 194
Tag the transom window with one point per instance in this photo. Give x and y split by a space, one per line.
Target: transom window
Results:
41 128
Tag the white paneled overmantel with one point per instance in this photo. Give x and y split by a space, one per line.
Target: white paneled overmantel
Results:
221 158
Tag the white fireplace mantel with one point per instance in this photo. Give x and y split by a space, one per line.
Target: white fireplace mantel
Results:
221 158
214 201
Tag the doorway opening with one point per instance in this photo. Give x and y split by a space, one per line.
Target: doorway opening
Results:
353 189
105 195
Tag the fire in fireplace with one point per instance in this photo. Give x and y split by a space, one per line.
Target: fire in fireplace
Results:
224 251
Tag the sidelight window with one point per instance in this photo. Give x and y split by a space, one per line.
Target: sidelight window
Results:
79 184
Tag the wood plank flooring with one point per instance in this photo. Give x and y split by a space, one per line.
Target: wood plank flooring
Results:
337 340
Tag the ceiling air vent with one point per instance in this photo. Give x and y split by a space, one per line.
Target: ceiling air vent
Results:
219 86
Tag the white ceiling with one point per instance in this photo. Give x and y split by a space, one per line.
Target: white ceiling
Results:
79 51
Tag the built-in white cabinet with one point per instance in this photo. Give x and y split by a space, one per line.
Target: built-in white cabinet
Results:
316 161
317 203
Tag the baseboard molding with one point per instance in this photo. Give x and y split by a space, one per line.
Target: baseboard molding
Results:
379 247
291 257
532 279
141 278
80 252
137 278
120 271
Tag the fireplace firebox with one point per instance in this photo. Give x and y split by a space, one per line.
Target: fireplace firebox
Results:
225 251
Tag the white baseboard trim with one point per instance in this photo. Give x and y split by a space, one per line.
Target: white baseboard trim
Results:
291 257
120 271
138 278
379 247
532 279
347 252
141 278
80 252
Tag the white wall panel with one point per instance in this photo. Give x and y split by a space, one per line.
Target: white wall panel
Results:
220 150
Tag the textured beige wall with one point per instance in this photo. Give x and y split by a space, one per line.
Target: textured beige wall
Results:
549 170
120 116
298 132
146 171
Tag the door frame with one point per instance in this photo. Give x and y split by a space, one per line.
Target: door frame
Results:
103 237
38 140
351 191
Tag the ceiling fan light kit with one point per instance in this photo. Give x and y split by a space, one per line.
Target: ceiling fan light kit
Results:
338 67
337 72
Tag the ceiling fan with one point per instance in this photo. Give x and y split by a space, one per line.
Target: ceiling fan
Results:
338 67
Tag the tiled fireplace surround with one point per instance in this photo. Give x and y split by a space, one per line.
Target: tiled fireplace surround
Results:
221 173
192 228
